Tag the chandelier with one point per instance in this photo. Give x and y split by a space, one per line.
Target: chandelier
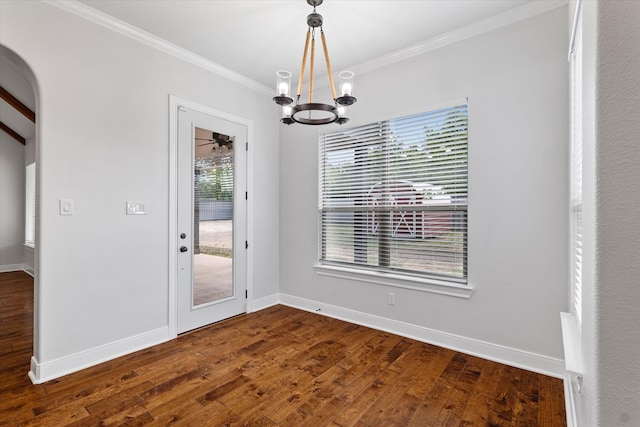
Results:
314 113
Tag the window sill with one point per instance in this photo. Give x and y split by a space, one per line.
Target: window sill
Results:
572 344
397 280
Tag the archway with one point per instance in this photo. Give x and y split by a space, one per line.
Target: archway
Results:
16 70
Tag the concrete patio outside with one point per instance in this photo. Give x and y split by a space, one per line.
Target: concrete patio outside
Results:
213 275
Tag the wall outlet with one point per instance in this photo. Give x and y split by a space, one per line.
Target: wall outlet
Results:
391 298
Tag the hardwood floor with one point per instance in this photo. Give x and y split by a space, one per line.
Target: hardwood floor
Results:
276 367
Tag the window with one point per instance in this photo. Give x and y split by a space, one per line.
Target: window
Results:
576 170
30 206
393 196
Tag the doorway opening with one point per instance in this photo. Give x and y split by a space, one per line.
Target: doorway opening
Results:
18 113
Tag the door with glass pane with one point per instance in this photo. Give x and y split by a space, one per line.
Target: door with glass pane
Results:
211 219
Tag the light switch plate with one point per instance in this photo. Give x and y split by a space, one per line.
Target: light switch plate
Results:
136 208
66 207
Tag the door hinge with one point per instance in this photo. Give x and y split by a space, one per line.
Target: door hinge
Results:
246 244
246 195
246 146
246 293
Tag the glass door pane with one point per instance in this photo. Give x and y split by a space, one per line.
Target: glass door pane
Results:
212 217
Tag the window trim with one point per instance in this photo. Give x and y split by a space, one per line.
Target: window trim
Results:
461 288
405 281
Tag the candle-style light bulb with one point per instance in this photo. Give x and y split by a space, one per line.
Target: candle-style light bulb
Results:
346 89
283 89
286 115
341 110
283 85
346 82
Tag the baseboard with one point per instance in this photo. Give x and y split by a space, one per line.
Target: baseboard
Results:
11 267
497 353
570 401
264 302
42 372
17 267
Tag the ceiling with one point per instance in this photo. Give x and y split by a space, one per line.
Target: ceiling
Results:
13 81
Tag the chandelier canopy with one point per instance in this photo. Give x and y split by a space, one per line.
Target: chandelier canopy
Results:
314 113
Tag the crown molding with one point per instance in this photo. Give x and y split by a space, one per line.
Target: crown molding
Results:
523 12
503 19
119 26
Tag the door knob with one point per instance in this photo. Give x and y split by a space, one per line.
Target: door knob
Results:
183 249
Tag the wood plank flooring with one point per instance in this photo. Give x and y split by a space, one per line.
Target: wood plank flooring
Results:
276 367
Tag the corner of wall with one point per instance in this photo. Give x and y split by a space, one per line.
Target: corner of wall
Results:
44 371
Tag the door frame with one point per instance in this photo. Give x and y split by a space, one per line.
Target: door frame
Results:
175 103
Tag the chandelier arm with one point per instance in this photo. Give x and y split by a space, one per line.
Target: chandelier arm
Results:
326 58
304 62
311 63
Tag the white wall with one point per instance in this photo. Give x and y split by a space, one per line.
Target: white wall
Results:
516 79
103 117
12 181
611 318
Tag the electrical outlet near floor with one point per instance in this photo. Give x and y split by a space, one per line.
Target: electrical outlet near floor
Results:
391 298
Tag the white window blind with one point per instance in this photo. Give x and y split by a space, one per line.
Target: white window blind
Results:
576 172
30 206
393 195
